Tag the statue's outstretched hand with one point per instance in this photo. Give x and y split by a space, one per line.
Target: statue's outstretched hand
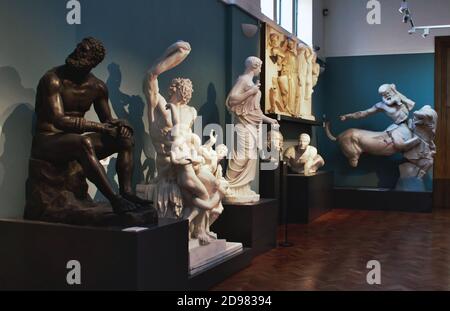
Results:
179 46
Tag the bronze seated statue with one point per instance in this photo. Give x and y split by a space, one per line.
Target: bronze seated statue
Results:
67 148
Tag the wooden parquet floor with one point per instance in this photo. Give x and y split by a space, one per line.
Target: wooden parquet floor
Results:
332 253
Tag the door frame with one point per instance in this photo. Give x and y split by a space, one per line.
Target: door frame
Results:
441 174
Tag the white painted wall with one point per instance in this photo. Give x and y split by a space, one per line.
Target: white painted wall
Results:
319 27
251 6
347 32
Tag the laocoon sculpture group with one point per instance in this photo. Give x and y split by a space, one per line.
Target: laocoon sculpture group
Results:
189 182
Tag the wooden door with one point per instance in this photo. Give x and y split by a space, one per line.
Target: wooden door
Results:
441 196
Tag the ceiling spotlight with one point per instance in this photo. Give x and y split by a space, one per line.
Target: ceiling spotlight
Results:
426 32
404 7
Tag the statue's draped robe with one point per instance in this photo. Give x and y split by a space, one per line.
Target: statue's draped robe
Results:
248 118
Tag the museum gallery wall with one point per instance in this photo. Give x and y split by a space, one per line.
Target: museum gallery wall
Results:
213 66
131 48
413 75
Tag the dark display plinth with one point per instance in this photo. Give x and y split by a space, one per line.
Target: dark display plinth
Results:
308 197
254 225
383 200
34 255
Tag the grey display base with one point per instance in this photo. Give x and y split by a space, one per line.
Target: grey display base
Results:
308 197
254 225
383 200
34 256
219 271
202 257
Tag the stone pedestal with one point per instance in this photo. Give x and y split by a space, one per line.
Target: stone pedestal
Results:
59 194
34 256
254 225
308 197
379 199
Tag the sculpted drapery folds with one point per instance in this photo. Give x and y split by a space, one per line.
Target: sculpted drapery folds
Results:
291 73
243 102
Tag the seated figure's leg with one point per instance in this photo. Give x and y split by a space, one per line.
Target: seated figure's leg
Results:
105 146
62 148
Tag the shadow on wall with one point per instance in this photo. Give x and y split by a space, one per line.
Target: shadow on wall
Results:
131 108
16 126
209 110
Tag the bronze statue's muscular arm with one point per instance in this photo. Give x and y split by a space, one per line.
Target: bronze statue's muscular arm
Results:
103 110
101 104
51 86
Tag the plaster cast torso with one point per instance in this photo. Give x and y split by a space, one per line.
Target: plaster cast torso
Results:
297 157
397 112
303 161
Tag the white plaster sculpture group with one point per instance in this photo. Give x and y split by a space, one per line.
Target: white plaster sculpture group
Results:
292 72
189 183
413 137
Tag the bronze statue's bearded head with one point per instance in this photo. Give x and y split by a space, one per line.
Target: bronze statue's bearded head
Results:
88 54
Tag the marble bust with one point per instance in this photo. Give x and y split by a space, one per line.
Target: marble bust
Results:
303 158
275 141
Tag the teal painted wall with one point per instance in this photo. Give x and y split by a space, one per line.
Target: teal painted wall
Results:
135 33
135 37
34 37
351 84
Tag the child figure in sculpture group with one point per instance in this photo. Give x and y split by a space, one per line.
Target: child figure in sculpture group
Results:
185 159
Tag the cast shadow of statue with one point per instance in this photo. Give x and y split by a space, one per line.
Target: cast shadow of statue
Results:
209 110
385 169
16 128
131 108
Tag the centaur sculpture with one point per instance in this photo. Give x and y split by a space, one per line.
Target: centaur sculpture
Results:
414 138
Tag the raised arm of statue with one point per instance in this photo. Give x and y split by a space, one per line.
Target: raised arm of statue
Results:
173 56
212 140
360 114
